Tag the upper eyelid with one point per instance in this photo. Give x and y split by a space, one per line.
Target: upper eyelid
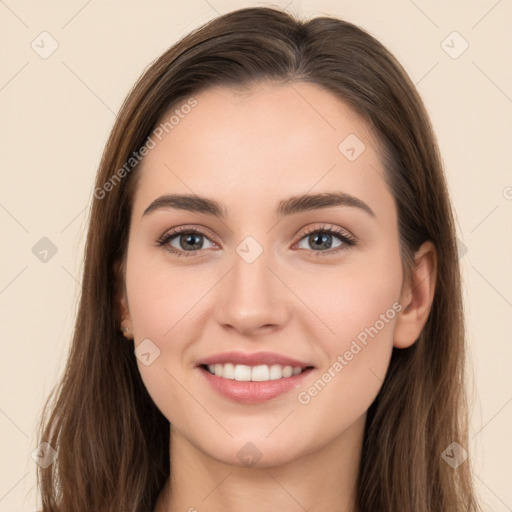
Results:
329 228
186 229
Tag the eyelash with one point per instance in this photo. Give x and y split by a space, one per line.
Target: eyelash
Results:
347 240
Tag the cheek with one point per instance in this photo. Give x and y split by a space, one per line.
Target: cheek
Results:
360 307
164 303
160 306
363 310
162 296
356 301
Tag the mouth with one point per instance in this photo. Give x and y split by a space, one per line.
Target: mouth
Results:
253 378
258 373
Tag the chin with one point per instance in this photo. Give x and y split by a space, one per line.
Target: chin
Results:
255 452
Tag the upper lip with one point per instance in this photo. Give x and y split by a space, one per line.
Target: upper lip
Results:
252 359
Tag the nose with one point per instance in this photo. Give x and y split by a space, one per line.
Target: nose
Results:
253 299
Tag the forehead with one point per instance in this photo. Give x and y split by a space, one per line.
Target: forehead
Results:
272 140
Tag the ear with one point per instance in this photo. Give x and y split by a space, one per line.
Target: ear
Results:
417 297
121 300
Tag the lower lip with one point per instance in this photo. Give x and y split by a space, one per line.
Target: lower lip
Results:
251 392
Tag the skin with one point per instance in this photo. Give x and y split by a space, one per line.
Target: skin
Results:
249 150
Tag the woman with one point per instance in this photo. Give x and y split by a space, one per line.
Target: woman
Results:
307 353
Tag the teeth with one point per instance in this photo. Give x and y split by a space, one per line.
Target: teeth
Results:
243 372
228 372
218 370
260 373
276 372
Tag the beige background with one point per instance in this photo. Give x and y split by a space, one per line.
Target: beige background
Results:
56 113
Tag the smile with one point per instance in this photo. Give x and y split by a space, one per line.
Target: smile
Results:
253 378
260 373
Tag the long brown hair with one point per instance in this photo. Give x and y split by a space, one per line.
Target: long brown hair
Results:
112 441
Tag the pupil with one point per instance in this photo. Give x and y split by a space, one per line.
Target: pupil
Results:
324 239
189 240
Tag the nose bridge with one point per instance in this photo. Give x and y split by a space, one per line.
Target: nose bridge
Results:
253 296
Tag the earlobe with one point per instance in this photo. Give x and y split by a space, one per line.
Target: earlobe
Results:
417 297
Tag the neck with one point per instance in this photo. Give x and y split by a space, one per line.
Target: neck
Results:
322 480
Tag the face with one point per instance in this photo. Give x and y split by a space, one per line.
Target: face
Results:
258 281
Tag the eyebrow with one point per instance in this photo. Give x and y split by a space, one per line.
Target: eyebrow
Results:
289 206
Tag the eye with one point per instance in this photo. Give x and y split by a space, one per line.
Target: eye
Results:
323 240
185 241
326 240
